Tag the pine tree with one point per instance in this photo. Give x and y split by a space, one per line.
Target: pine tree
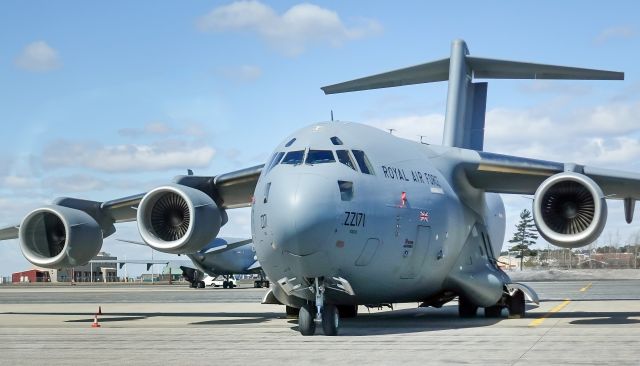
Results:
525 235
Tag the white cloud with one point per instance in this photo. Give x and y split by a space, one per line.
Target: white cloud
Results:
155 129
619 32
606 134
242 73
126 157
290 32
38 57
17 182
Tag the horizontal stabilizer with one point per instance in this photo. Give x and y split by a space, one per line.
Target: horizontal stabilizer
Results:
487 68
423 73
482 68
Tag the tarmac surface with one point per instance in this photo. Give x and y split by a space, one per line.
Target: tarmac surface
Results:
577 322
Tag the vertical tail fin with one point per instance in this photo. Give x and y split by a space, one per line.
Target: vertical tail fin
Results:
466 100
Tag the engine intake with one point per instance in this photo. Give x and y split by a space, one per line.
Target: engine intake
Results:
569 210
59 237
178 219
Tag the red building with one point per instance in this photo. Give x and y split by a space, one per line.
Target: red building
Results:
32 275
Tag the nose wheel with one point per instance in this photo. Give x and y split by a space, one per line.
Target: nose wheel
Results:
326 314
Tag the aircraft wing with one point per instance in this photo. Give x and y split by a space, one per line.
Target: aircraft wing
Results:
227 246
229 190
255 265
10 232
217 246
511 174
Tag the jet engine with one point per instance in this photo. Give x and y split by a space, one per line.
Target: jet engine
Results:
59 237
178 219
569 210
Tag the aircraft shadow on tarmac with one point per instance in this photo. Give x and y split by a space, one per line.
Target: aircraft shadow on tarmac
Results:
106 317
379 323
598 318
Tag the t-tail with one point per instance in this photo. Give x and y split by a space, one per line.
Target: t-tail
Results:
466 99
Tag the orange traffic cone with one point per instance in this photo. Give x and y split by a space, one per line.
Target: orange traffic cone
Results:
95 322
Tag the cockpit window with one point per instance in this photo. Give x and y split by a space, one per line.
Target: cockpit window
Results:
345 158
293 157
320 157
275 160
336 141
290 142
363 161
346 190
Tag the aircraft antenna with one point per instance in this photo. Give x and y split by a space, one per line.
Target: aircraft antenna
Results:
391 130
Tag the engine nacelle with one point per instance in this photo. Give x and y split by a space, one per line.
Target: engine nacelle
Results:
59 237
569 210
178 219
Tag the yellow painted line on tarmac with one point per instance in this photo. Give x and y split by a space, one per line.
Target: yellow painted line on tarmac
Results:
556 309
586 287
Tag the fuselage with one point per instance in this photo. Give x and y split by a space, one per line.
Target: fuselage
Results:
233 261
347 200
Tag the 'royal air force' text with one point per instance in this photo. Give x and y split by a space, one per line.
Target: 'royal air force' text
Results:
416 176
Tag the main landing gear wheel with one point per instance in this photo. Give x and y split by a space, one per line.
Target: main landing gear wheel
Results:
201 284
516 306
306 320
466 309
292 312
493 311
330 320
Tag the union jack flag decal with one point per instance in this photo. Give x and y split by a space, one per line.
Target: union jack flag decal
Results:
424 216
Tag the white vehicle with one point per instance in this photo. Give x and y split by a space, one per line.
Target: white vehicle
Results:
221 281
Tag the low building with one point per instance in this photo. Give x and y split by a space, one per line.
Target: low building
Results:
94 271
30 276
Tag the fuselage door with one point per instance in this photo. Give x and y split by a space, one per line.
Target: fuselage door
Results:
415 253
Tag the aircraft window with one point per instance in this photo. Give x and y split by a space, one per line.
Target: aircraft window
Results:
290 142
336 141
293 157
346 190
320 157
363 161
345 158
275 160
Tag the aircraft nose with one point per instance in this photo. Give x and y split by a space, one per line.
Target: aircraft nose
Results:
306 216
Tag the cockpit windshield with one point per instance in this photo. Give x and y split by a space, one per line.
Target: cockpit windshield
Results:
319 157
345 158
293 157
354 159
363 161
275 160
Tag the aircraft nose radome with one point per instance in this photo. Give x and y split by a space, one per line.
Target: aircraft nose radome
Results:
307 216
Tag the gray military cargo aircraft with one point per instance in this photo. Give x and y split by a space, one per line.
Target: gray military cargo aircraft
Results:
222 257
344 214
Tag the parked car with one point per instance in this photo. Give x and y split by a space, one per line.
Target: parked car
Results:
221 281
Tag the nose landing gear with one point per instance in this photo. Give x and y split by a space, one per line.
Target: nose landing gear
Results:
327 314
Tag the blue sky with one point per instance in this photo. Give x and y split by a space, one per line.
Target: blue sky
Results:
105 99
